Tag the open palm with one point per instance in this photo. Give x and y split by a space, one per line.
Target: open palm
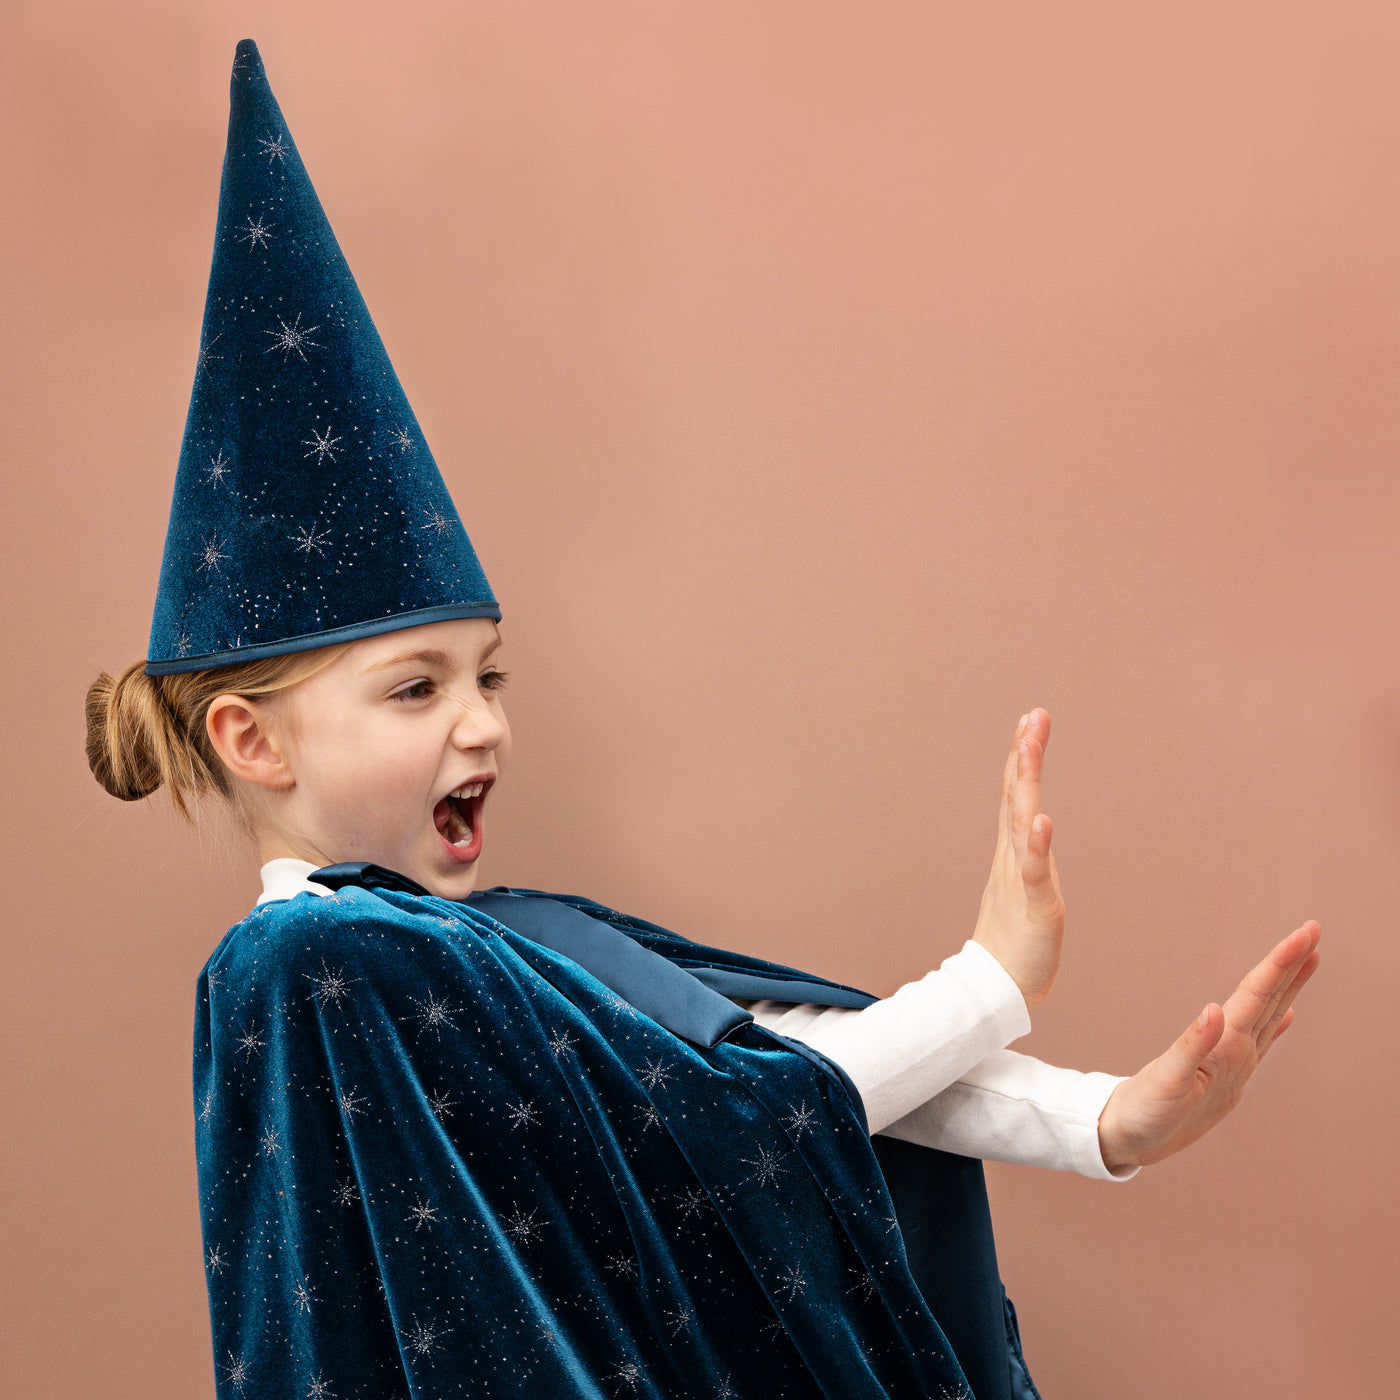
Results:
1021 921
1188 1089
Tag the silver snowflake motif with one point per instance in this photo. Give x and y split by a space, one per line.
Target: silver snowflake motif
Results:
561 1043
216 1261
726 1390
654 1074
694 1201
961 1393
350 1103
292 339
623 1265
680 1319
320 1389
256 235
274 149
237 1372
650 1118
768 1166
800 1119
322 445
403 440
206 353
346 1194
548 1335
304 1298
250 1042
795 1281
307 541
891 1223
423 1338
216 470
210 554
440 1103
423 1214
329 986
864 1285
434 1015
269 1143
628 1374
215 979
522 1113
182 644
522 1228
207 1107
439 522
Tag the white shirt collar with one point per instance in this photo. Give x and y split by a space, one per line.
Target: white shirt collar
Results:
285 877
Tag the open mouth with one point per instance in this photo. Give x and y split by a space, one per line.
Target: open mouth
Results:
457 818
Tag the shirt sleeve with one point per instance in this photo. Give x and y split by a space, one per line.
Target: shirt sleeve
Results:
1014 1108
904 1049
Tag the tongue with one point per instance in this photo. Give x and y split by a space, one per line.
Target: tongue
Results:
458 827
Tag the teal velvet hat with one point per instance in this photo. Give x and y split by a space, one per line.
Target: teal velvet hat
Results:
307 509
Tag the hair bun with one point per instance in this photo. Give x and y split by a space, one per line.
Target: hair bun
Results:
123 728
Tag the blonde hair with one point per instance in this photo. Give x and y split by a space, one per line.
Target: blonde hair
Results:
148 732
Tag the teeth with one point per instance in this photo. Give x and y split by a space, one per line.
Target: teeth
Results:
470 790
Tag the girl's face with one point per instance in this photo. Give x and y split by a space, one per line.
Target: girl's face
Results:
381 745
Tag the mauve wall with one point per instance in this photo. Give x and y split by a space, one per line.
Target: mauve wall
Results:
822 386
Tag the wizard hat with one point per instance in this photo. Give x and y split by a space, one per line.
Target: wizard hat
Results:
308 509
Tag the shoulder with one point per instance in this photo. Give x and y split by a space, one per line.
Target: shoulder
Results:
352 933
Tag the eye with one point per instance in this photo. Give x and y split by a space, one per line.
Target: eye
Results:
493 679
418 690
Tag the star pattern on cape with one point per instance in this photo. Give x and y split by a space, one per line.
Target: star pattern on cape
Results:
538 1232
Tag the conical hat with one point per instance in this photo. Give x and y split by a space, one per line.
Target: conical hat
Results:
308 509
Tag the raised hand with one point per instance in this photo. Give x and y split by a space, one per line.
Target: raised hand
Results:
1022 918
1188 1089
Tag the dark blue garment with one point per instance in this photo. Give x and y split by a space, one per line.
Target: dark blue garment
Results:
440 1155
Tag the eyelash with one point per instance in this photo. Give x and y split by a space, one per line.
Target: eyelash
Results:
492 680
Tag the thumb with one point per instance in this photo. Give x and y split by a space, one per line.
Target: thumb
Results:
1191 1047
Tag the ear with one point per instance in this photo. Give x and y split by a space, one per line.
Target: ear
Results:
242 735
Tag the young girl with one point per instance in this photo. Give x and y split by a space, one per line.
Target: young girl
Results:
509 1142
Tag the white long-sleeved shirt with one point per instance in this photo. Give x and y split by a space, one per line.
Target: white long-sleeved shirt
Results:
930 1062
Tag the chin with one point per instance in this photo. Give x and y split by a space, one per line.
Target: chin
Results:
449 884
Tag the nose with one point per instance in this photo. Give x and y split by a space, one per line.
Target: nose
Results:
478 723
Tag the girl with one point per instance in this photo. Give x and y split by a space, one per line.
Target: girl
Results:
509 1142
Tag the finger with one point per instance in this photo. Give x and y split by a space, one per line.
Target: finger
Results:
1008 786
1253 1001
1037 869
1188 1051
1026 796
1284 1022
1038 721
1269 1030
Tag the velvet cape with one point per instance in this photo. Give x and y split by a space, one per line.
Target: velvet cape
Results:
439 1156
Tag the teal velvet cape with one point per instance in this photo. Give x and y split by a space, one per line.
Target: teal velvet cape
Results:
441 1156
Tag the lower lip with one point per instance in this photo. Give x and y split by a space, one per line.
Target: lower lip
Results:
464 855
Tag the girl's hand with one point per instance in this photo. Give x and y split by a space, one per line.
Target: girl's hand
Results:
1022 918
1185 1092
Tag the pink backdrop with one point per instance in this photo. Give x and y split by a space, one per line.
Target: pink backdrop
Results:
822 386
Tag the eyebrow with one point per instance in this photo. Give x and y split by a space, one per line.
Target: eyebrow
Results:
428 657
